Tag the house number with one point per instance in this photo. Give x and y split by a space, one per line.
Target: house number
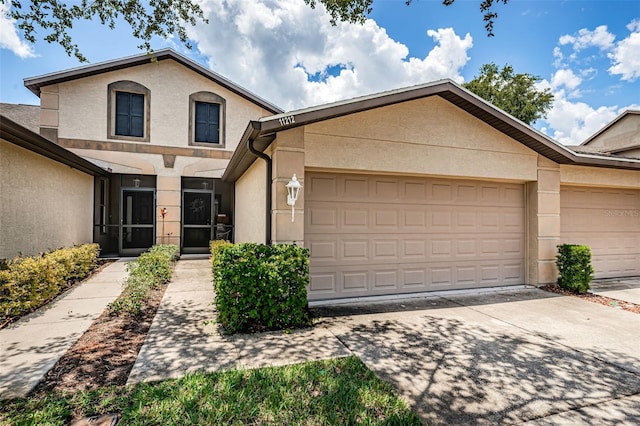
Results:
290 119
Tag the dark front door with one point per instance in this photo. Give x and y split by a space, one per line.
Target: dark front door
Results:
197 221
138 221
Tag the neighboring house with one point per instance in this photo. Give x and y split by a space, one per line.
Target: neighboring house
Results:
432 188
165 130
46 192
620 138
418 189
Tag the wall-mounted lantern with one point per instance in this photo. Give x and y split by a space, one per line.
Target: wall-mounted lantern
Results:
293 190
136 182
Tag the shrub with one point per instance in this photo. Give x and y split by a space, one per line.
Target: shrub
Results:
260 287
27 283
574 267
152 269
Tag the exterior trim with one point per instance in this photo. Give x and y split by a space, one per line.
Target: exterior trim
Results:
263 131
34 84
144 149
130 87
25 138
211 98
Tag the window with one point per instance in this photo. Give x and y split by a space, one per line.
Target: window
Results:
129 114
207 122
206 119
128 111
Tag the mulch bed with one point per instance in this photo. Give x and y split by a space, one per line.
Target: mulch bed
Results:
105 353
596 298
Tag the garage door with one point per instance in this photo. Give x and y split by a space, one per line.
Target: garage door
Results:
607 220
375 235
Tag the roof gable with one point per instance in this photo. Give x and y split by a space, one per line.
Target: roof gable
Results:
262 132
36 83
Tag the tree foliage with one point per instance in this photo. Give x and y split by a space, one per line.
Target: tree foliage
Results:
356 11
163 18
513 93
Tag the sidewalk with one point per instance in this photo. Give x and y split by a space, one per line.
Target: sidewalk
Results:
184 338
32 345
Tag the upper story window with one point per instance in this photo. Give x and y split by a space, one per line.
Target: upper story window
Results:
206 119
129 114
128 111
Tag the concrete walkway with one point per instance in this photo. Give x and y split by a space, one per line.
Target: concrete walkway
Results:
32 345
184 338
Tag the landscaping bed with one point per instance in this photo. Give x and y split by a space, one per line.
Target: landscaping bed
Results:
596 298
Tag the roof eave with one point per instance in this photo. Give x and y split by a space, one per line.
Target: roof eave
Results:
25 138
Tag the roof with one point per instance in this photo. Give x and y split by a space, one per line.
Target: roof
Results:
263 131
26 115
25 138
36 83
608 126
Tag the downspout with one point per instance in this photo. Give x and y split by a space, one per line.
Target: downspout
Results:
269 162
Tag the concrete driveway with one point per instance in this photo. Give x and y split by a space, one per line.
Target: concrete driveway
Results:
505 357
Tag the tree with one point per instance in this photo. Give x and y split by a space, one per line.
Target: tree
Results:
161 17
356 11
513 93
56 17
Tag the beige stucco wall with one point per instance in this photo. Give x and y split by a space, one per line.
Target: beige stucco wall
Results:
623 133
250 205
599 176
426 136
81 114
43 204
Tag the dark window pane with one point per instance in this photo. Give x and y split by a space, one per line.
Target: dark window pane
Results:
207 119
197 208
129 114
196 237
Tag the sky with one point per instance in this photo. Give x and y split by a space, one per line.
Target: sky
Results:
586 52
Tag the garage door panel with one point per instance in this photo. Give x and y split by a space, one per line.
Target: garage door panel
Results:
388 235
608 221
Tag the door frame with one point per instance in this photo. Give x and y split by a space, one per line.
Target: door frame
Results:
135 251
212 224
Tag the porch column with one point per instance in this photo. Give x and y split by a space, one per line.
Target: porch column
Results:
544 223
288 158
168 196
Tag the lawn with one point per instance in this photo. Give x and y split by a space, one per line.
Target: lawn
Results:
339 391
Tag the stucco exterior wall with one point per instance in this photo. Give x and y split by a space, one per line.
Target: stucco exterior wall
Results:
250 205
43 204
623 133
599 176
426 136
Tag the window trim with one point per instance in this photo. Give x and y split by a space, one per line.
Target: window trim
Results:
212 98
128 87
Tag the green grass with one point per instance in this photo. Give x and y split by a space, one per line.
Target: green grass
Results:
334 392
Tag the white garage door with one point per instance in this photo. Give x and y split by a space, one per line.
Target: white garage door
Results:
607 220
374 235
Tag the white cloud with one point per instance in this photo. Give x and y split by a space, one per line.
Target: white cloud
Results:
282 50
9 38
626 55
600 37
565 77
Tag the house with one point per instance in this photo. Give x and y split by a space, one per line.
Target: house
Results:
620 138
46 191
432 188
165 130
418 189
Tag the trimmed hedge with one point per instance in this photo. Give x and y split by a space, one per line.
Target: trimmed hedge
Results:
574 266
27 283
214 245
260 287
152 269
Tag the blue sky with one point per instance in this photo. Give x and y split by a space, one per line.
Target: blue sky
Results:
587 52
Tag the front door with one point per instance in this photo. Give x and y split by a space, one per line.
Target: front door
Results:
197 220
137 228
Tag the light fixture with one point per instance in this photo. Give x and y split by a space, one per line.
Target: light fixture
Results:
205 185
136 182
293 190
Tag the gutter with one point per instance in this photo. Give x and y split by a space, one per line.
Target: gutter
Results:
269 202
